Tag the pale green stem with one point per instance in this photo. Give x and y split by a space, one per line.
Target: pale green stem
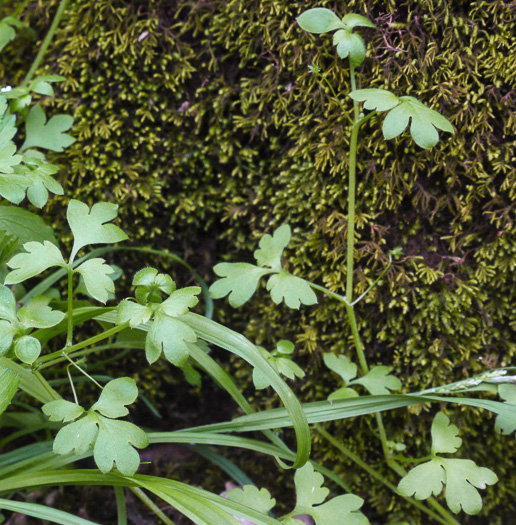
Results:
327 292
72 385
46 43
88 342
375 474
69 313
120 505
83 371
152 506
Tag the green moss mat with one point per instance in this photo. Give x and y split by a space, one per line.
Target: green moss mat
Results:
202 120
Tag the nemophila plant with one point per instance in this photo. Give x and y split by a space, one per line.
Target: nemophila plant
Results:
40 334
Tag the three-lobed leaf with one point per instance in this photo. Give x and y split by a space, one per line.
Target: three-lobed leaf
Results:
90 226
239 281
115 396
95 273
253 497
49 135
37 258
378 381
293 290
271 247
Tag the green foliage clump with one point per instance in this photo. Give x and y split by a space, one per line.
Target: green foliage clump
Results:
203 120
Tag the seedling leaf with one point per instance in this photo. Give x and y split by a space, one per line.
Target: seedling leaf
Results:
239 280
115 395
38 258
319 20
444 435
341 365
169 336
89 226
378 381
252 497
27 349
133 313
37 314
95 273
62 410
180 301
293 290
373 98
354 20
350 44
9 382
424 122
271 248
48 135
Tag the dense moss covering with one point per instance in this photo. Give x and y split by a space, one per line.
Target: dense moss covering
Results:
202 120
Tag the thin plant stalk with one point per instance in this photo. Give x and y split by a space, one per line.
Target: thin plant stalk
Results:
152 506
46 43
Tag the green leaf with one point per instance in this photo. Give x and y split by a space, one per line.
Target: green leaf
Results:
342 393
354 20
169 336
341 365
39 175
9 382
42 85
38 258
463 478
150 283
285 347
423 481
378 381
7 31
8 158
340 510
115 395
180 301
12 187
133 313
282 365
48 135
7 304
350 44
27 349
8 127
424 122
319 20
294 291
7 332
114 445
61 410
373 98
25 225
444 435
37 314
89 226
271 248
504 425
78 436
252 497
240 281
95 273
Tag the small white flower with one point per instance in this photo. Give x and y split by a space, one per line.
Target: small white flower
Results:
6 89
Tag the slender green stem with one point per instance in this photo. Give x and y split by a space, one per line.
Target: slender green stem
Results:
375 474
358 299
72 385
46 43
120 505
353 88
152 506
327 292
83 344
83 371
356 339
351 212
69 313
